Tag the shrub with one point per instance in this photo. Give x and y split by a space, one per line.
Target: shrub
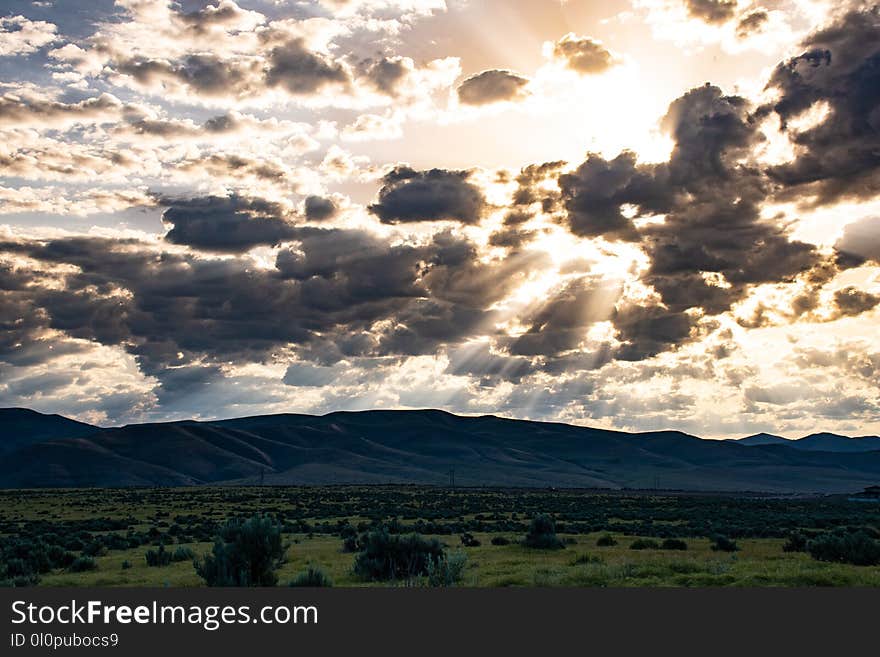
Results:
468 540
183 553
387 556
349 538
245 553
796 543
126 564
721 543
856 548
673 544
60 557
644 544
312 577
585 559
500 540
606 540
158 558
82 565
8 579
95 549
446 570
542 534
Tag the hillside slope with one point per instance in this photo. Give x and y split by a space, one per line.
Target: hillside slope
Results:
20 427
423 447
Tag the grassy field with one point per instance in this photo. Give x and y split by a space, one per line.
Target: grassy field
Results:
311 519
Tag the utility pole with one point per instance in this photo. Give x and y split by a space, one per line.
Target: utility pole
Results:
452 477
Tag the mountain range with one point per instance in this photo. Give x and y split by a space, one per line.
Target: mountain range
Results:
817 442
419 447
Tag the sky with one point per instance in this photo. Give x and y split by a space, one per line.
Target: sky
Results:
635 214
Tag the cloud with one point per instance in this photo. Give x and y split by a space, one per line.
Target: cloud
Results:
331 294
386 73
861 240
583 54
752 22
492 86
559 324
851 301
410 196
712 245
231 224
840 156
317 208
593 196
373 126
207 75
26 108
477 360
226 15
307 375
579 291
300 71
61 201
21 36
712 11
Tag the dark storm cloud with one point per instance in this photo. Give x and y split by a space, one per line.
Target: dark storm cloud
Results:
711 11
492 86
593 196
711 131
335 294
318 208
583 54
340 268
649 330
301 71
409 196
839 157
231 224
711 201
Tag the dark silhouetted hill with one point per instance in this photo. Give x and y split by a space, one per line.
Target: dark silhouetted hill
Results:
421 447
20 427
817 442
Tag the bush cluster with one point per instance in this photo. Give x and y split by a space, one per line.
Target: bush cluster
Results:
721 543
447 570
542 534
245 553
857 548
606 540
312 577
393 557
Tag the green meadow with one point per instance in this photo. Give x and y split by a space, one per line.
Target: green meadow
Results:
114 530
